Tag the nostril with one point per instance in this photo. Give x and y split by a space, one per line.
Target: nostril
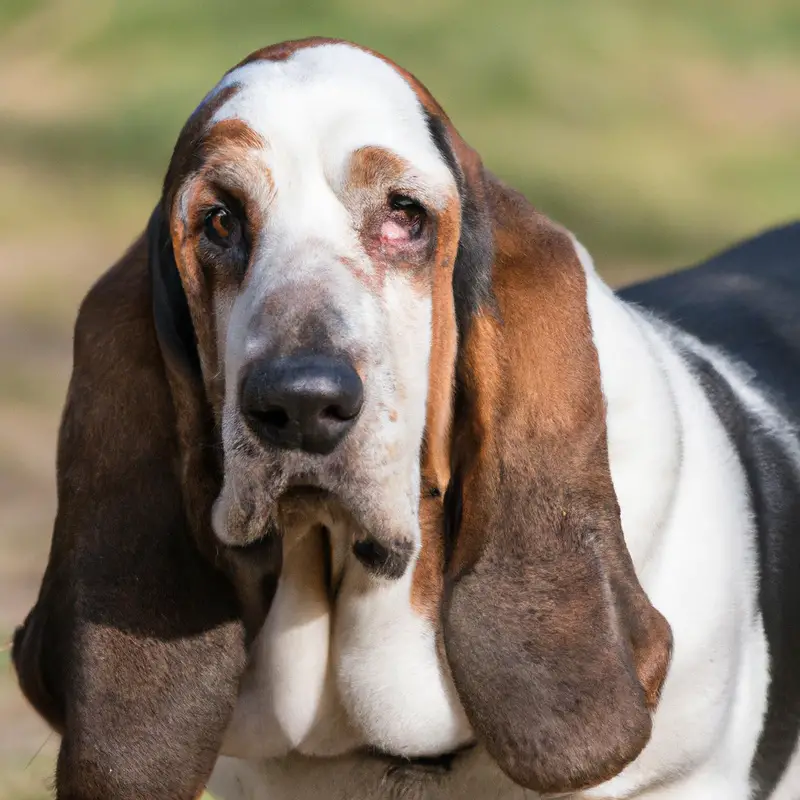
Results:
274 417
337 414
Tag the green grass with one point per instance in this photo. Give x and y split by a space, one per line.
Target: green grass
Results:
632 122
657 131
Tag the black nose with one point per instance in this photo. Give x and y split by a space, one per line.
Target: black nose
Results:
304 402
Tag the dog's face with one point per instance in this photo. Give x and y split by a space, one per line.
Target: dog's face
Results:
312 205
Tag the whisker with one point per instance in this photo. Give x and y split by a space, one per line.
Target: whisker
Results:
41 747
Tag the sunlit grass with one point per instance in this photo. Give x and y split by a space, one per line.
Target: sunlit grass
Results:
632 122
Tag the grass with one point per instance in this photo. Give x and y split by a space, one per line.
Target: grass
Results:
659 132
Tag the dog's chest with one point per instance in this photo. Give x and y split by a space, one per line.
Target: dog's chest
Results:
362 778
343 661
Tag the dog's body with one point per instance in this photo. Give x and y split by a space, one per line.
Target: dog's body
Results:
371 543
703 412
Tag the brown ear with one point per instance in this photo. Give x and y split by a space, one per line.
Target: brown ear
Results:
556 652
135 645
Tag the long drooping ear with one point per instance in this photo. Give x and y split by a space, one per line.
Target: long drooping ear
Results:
173 321
556 652
135 645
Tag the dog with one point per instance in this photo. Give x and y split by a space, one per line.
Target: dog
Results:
370 487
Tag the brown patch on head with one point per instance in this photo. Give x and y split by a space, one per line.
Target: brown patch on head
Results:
555 650
283 50
375 169
187 154
231 135
232 162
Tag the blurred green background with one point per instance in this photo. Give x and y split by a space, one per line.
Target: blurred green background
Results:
658 131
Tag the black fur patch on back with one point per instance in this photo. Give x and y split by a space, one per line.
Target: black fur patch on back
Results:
774 484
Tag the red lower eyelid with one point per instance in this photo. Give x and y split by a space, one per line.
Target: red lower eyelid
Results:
393 231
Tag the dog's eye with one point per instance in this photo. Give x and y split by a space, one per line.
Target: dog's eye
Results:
221 226
401 202
406 220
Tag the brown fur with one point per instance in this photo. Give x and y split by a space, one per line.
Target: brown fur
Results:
130 619
187 155
230 136
427 585
284 50
556 652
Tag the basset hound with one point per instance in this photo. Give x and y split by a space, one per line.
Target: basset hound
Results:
369 487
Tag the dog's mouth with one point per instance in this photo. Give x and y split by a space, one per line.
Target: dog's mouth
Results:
303 496
305 505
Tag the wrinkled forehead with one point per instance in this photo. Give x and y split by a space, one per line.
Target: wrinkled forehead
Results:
322 103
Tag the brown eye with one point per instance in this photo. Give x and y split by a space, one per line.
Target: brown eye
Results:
220 226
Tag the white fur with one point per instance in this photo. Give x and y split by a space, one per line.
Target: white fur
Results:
288 693
325 679
694 554
381 643
680 486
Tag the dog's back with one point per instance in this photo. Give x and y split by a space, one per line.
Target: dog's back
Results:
746 301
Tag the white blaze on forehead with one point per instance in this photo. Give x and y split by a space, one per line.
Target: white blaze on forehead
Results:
322 103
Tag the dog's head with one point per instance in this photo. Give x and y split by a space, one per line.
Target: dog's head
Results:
314 224
348 333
